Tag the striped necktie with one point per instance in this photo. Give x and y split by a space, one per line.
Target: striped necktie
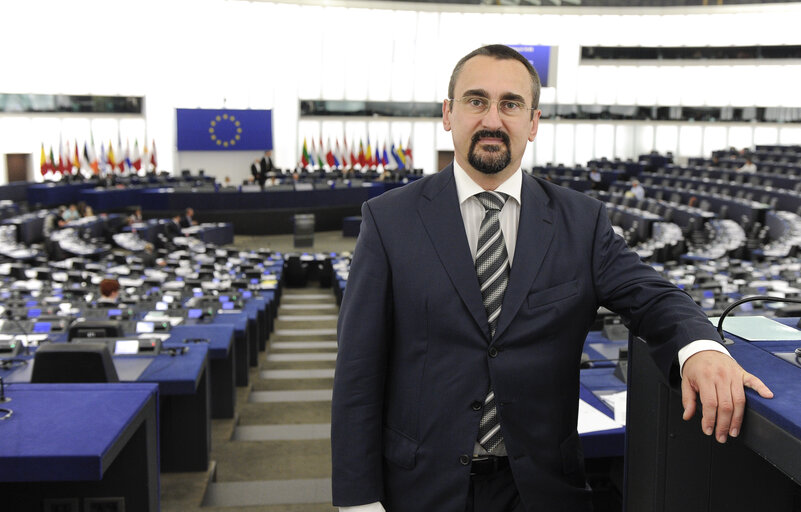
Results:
492 268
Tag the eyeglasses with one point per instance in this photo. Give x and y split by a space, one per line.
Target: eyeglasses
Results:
479 105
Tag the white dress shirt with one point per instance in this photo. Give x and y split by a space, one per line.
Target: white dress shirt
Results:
472 214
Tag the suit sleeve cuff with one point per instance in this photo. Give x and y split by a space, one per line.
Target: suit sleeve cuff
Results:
698 346
370 507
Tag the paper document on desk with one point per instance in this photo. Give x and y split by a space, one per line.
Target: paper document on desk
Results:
591 419
757 328
616 402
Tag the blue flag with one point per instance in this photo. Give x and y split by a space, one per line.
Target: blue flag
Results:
224 130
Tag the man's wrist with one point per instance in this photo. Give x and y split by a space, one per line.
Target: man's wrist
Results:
693 348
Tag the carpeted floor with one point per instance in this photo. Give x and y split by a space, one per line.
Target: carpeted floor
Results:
275 455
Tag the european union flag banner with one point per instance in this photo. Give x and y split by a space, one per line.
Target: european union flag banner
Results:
224 130
538 56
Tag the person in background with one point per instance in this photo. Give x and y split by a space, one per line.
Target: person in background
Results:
595 178
149 258
173 227
637 190
748 166
266 168
109 293
71 213
187 219
135 217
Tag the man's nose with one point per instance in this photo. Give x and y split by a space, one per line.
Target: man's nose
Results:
492 117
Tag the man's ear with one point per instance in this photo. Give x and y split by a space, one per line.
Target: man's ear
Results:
535 124
446 113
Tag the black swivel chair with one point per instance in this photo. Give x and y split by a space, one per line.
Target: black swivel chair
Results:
67 362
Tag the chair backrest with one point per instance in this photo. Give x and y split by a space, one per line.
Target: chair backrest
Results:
67 362
95 329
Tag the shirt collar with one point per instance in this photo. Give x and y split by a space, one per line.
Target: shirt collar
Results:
467 188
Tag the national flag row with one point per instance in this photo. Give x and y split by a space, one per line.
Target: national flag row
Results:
317 155
71 159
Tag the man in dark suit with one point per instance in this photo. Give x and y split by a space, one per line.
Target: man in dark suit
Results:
188 218
462 326
266 168
173 227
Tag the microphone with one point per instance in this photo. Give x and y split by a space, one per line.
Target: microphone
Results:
7 314
3 397
766 298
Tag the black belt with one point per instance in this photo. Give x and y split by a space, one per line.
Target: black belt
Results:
488 464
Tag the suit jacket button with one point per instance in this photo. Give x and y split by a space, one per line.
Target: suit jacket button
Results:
476 406
464 460
493 352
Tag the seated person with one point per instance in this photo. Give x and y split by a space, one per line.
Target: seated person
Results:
149 258
173 228
748 166
109 293
136 216
637 190
71 213
188 218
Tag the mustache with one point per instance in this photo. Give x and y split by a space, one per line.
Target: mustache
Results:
494 134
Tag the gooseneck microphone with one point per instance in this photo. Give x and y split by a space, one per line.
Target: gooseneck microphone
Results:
766 298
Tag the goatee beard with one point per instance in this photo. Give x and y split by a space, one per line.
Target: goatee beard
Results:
497 159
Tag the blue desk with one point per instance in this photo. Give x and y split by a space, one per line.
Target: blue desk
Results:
671 465
185 409
605 443
221 233
53 194
222 374
56 444
184 419
104 199
242 342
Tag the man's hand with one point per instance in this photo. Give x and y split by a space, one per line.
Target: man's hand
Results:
720 382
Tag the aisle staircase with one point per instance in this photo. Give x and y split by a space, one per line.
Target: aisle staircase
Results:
275 455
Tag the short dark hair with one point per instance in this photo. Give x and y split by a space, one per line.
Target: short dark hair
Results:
499 52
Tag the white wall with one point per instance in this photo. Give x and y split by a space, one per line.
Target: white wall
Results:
241 54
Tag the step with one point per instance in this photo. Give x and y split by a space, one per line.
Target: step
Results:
282 432
268 492
309 373
306 395
302 356
306 332
302 345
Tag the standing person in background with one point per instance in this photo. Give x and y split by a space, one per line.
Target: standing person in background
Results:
462 326
266 168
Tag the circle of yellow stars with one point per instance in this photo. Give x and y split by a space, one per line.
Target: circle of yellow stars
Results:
217 123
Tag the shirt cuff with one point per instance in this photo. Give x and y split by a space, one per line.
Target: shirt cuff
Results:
370 507
698 346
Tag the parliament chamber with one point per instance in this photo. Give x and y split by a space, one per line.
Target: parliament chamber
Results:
181 194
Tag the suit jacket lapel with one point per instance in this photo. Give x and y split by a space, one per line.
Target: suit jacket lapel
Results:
439 210
535 233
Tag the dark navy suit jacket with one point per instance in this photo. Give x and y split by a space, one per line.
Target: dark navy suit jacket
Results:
415 355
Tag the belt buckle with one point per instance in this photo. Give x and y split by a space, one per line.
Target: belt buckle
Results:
483 465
